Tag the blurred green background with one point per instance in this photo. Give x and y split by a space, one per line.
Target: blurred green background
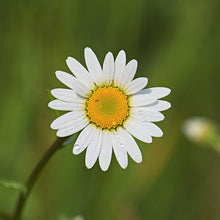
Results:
177 45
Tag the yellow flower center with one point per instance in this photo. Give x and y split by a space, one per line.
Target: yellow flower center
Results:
107 107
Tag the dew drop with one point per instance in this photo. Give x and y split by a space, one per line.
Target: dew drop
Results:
122 145
116 134
76 147
141 112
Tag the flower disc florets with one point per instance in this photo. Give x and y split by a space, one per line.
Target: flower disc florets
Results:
107 107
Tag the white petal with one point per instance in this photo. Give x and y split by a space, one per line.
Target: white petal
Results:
157 92
141 99
67 119
140 129
84 139
108 68
106 151
93 65
75 127
128 73
119 150
67 95
120 62
65 78
152 129
130 145
80 72
159 105
136 85
81 88
137 129
145 115
93 150
65 106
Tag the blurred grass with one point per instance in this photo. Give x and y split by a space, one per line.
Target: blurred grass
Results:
177 45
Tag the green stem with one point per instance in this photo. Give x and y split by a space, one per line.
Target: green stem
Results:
34 175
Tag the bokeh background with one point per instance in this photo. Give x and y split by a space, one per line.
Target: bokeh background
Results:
177 45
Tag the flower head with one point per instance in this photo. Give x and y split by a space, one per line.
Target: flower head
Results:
109 106
199 129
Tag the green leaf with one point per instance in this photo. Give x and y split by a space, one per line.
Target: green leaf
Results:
12 185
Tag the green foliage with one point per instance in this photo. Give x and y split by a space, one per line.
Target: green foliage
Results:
12 185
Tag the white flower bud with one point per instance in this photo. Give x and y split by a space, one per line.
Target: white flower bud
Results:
198 129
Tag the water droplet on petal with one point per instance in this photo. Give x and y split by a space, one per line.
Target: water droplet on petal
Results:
116 134
122 145
141 112
76 147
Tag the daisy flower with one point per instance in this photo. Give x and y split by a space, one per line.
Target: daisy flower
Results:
109 106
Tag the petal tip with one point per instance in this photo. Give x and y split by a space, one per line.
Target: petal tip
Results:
138 160
52 92
149 141
50 105
161 134
168 91
74 151
87 49
109 54
135 61
104 169
57 73
68 59
89 166
145 81
52 126
124 167
122 53
58 134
